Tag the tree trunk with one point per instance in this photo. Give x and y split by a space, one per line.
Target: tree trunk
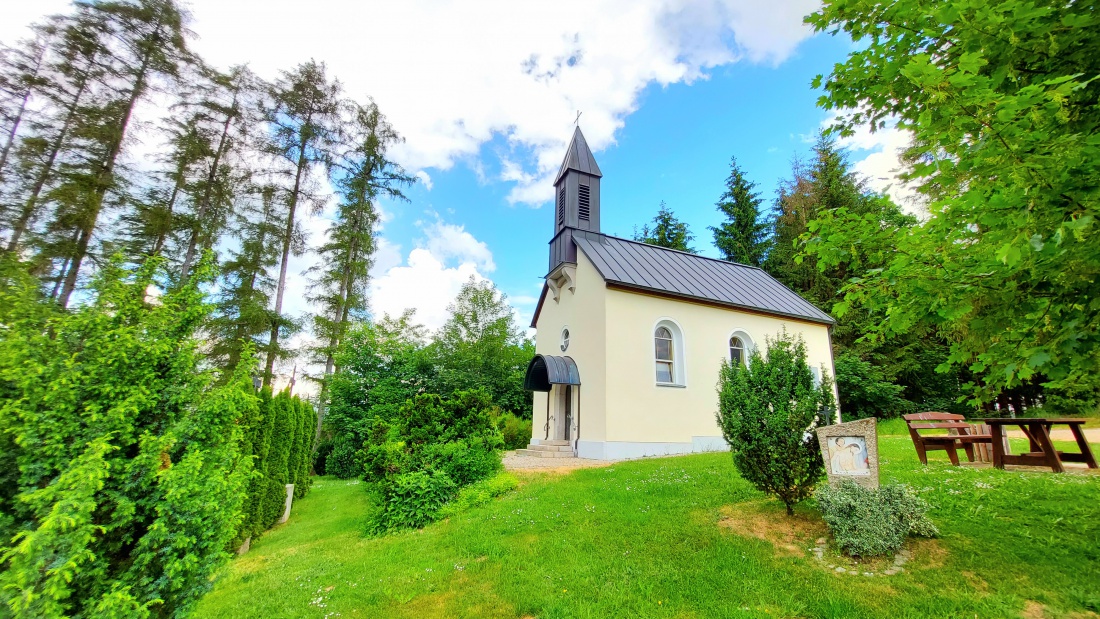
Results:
162 235
27 213
19 115
273 343
103 183
204 202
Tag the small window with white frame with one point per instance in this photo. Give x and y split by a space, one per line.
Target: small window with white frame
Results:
737 351
668 357
666 362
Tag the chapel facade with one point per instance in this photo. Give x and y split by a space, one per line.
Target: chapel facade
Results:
630 337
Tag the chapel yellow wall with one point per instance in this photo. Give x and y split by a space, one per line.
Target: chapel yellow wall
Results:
637 409
583 312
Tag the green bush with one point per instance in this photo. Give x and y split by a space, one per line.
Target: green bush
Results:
481 493
343 461
125 463
867 523
320 456
767 411
413 500
865 392
465 461
515 430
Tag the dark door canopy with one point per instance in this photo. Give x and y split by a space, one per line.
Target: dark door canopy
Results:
545 371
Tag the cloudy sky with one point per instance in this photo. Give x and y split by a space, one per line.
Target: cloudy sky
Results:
485 94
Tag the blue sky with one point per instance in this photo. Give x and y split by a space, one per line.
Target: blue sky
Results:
485 93
675 147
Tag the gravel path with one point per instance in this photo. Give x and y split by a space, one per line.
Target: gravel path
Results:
514 462
1092 435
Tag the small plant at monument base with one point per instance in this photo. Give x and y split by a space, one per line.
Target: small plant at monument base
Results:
868 522
768 411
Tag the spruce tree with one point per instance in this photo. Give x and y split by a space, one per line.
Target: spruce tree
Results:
73 68
304 124
743 236
148 41
339 283
667 231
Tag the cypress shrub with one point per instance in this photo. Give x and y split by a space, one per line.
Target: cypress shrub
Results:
121 458
282 437
768 411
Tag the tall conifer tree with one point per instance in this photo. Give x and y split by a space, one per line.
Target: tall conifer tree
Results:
339 283
304 120
743 237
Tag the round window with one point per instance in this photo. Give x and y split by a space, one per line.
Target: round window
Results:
564 339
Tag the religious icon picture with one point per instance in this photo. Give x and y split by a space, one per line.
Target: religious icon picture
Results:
848 455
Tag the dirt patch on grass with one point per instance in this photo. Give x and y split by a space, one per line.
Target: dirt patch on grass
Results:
1033 610
462 598
927 553
790 535
976 582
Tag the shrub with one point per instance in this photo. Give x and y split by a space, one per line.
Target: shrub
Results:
465 462
320 456
864 390
515 430
122 459
342 460
768 411
412 500
866 522
481 493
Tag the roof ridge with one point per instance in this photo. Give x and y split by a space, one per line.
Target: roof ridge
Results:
678 251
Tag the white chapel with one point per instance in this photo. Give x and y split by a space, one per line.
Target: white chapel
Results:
630 337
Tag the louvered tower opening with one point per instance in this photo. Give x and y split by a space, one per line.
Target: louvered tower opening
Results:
584 206
561 206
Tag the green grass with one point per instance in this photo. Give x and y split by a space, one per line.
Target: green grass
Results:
642 539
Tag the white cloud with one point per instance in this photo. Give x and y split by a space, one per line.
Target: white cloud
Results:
424 179
450 241
426 285
451 74
443 261
877 158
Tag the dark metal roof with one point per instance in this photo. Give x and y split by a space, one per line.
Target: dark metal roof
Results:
546 370
657 269
578 157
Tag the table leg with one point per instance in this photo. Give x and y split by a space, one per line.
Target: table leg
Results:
997 431
1083 445
1042 437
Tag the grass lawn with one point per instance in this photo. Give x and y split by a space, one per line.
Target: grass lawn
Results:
679 537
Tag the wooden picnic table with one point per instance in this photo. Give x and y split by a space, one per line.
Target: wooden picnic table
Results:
1042 451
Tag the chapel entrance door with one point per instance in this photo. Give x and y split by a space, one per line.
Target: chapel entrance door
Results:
568 412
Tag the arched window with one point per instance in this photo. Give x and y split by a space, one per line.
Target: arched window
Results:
668 357
665 348
737 350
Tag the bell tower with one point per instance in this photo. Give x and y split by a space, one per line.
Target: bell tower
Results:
576 200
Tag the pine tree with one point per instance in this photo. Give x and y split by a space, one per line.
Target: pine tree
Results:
73 68
242 313
148 39
20 75
743 237
339 283
303 116
667 231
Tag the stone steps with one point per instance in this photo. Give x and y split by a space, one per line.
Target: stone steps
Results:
536 453
541 448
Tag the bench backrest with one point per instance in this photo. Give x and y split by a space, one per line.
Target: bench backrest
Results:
934 420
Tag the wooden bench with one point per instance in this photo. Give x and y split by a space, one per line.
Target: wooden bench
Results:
959 433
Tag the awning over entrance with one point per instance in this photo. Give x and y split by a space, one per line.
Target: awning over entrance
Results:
547 370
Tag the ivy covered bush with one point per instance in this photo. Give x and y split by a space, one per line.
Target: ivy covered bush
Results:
435 447
869 522
124 463
768 410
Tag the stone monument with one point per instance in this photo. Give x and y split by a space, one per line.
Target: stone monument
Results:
850 451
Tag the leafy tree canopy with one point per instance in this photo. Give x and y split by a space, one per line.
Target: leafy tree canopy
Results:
1001 100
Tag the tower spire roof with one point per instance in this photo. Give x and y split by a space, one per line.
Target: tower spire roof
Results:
578 157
